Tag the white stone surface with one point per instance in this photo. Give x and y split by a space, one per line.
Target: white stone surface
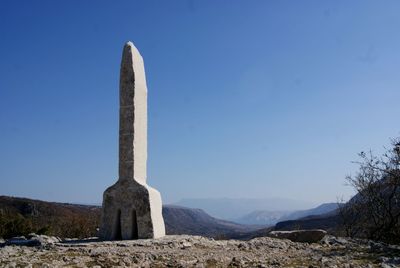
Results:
308 236
131 208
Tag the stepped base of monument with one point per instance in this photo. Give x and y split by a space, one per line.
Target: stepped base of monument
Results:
131 211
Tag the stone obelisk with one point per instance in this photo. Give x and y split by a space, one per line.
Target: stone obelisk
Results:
131 208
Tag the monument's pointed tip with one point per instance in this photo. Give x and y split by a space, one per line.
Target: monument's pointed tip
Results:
130 46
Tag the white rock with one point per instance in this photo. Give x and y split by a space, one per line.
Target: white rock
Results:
304 236
131 208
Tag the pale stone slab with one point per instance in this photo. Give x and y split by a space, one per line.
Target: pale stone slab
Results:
131 208
304 236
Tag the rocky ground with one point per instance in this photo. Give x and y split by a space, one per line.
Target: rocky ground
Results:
196 251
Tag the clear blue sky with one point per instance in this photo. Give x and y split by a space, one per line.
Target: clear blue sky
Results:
246 98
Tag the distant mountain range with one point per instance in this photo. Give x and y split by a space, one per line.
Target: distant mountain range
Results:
321 209
236 208
20 216
329 222
181 220
262 217
265 217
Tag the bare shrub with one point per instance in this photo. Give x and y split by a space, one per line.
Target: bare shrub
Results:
374 212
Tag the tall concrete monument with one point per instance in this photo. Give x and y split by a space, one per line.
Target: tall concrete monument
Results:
131 208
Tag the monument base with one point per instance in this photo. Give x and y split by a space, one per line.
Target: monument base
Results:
131 211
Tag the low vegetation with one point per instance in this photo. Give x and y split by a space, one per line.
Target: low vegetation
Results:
21 216
374 212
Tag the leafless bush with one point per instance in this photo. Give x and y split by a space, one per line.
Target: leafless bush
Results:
374 212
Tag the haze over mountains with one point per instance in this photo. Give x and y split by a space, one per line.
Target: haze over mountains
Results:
266 217
72 220
237 209
20 216
181 220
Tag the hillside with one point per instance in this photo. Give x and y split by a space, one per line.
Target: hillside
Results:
262 217
234 208
356 218
319 210
328 222
22 216
181 220
266 217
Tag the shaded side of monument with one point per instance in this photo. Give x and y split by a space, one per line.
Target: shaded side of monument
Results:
131 208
